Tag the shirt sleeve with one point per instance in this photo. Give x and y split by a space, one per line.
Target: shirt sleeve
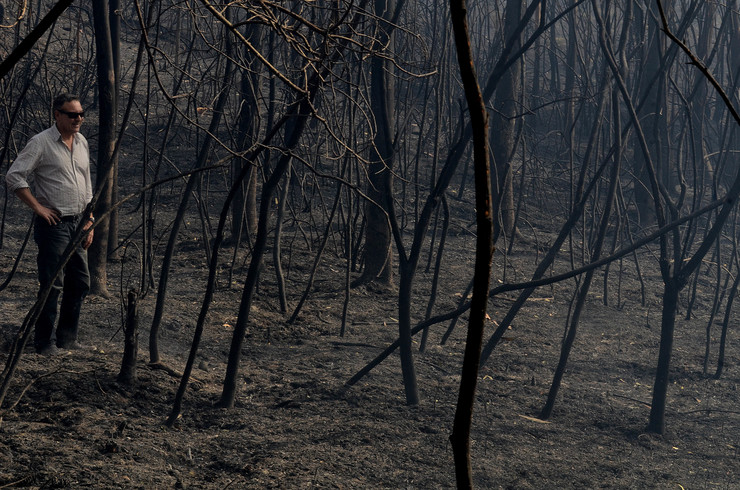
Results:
23 167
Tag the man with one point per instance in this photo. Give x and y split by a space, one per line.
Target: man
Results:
58 162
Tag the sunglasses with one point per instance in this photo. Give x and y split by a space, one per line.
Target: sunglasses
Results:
72 115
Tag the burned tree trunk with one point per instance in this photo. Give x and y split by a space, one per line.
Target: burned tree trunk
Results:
127 375
460 437
106 145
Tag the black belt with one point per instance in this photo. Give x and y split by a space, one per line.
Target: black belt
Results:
71 218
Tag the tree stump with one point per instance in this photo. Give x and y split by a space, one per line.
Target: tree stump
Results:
127 375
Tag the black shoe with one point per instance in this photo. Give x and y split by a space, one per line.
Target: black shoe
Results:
48 350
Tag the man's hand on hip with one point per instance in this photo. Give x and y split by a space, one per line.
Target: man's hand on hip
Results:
48 215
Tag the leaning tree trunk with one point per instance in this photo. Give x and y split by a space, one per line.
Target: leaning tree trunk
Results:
582 193
244 211
202 159
725 327
588 279
33 37
673 284
294 132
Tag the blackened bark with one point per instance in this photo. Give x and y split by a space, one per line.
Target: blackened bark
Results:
653 117
201 161
127 375
114 14
378 258
460 437
588 279
244 211
503 125
667 329
106 145
725 327
25 46
293 131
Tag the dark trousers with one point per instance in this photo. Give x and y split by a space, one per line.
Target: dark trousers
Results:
72 283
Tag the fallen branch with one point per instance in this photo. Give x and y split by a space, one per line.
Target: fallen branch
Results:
538 283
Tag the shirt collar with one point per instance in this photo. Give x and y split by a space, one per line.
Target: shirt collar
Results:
58 135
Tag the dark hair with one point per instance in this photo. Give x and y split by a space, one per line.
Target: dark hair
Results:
62 99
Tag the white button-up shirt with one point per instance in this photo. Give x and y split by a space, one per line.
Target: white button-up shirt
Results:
61 176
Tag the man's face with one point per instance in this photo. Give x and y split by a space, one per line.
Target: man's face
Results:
69 125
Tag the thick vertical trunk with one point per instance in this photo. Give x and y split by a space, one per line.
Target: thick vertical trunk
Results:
503 125
244 210
127 374
667 329
115 36
404 334
106 145
653 117
378 258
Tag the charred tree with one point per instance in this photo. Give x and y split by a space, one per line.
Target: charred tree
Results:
201 161
378 257
506 106
127 374
460 437
107 96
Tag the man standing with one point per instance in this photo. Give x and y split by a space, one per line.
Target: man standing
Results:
58 162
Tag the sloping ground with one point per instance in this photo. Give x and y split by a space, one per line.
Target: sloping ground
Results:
296 425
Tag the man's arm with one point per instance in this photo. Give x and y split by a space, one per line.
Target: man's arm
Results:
48 215
89 195
87 241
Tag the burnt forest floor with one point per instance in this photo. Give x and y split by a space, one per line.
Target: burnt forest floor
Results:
67 422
